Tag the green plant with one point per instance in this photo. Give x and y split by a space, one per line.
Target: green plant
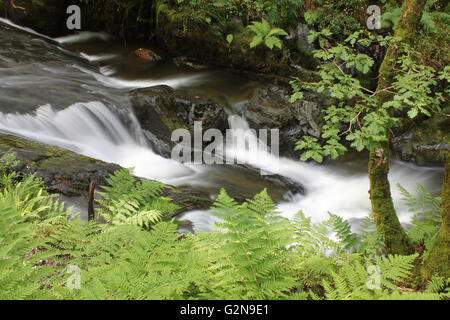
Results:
254 254
355 107
128 201
264 33
251 263
427 219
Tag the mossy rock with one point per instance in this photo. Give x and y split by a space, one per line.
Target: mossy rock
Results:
425 143
70 174
62 171
207 42
160 110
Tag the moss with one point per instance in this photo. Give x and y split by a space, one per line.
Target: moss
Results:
395 239
438 258
207 42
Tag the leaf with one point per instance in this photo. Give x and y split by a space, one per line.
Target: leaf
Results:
257 40
230 38
412 113
277 32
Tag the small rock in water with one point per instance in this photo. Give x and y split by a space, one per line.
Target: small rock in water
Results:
147 55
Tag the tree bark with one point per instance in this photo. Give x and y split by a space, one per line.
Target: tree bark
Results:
396 240
438 258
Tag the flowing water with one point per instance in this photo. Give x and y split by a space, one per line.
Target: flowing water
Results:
71 92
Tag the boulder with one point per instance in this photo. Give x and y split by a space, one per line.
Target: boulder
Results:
69 174
425 143
269 108
161 110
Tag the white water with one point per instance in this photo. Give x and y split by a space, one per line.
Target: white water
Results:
109 81
84 37
95 130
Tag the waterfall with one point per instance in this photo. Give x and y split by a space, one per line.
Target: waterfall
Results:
94 130
48 83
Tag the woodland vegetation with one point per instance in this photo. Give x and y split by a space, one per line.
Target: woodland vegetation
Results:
376 82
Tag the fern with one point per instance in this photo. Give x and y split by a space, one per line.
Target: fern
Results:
264 33
377 278
371 241
427 219
316 238
251 263
127 201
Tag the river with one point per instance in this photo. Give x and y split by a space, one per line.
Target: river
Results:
70 92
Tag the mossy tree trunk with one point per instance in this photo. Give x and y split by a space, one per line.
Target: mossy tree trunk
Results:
438 258
396 240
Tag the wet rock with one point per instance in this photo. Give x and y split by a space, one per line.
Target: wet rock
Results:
161 110
270 108
69 174
62 171
189 62
147 54
425 143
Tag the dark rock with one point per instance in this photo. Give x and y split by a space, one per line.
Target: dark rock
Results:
161 110
425 143
270 108
69 174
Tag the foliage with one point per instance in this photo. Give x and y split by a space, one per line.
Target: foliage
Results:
340 17
254 254
432 14
126 201
281 12
252 259
264 33
427 219
355 117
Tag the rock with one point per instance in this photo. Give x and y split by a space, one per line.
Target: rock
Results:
425 143
69 174
189 62
147 55
270 108
62 171
161 109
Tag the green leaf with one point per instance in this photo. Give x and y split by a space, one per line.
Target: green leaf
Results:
257 40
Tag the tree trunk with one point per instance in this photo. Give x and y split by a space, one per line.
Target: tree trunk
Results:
438 258
396 240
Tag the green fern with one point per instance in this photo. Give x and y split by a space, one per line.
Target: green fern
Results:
128 201
251 262
264 33
427 219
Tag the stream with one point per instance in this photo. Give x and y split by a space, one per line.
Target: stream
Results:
70 92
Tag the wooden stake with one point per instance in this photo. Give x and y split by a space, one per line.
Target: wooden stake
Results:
91 212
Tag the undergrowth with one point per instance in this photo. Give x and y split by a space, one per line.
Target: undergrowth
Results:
254 253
